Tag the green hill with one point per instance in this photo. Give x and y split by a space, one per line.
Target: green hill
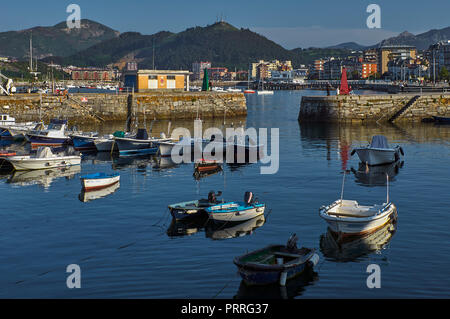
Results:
220 43
57 40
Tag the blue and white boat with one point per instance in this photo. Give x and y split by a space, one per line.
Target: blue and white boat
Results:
236 211
195 208
140 141
53 135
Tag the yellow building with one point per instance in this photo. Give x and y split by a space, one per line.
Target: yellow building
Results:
390 53
149 80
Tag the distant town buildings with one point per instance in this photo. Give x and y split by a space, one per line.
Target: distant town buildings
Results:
391 53
198 69
438 56
263 69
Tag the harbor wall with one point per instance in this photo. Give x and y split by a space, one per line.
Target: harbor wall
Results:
372 108
99 107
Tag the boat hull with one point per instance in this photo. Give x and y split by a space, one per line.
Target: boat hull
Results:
270 272
26 163
105 145
359 226
125 144
237 216
37 140
98 183
373 156
83 143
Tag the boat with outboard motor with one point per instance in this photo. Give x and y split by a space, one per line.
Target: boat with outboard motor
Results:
236 211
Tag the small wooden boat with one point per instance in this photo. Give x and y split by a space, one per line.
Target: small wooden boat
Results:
44 159
195 208
378 152
249 91
275 263
98 180
203 165
236 211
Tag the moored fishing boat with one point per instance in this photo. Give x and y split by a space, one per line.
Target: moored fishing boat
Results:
138 152
378 152
275 263
98 180
53 135
43 159
140 141
236 211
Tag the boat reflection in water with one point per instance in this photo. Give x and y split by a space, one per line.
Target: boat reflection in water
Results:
232 230
97 194
376 175
43 177
163 163
139 162
294 287
344 249
213 230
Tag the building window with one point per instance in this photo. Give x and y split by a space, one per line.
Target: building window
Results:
153 77
171 77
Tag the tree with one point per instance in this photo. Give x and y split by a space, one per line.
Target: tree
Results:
444 74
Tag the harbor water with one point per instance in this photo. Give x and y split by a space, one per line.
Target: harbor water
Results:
127 246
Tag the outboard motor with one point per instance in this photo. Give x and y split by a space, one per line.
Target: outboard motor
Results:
292 243
142 134
248 198
212 197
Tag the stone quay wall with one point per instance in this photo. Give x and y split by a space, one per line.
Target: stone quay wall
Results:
372 108
98 107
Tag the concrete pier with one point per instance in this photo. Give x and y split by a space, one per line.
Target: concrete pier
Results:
372 108
98 107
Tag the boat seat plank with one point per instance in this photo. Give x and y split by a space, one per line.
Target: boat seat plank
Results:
283 254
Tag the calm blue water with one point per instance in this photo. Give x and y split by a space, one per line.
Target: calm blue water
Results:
124 251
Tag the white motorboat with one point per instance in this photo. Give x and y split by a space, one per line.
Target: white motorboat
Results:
378 152
10 129
44 159
54 135
348 217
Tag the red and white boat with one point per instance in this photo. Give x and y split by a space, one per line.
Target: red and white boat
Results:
99 181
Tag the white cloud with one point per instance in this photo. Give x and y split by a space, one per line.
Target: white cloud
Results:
316 36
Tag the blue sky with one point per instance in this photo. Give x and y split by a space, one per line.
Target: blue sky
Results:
291 23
